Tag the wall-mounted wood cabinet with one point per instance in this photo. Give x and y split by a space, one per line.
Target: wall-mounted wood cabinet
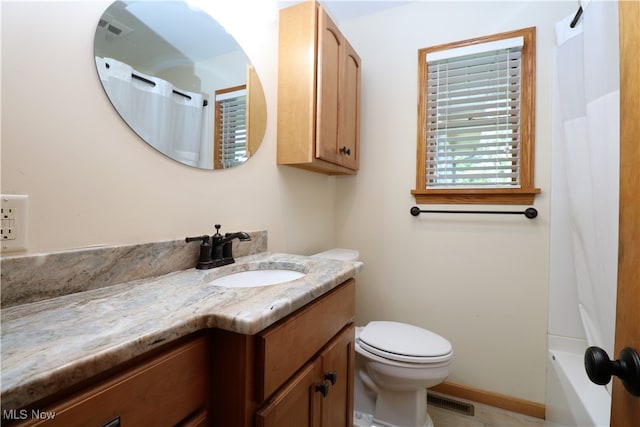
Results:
318 93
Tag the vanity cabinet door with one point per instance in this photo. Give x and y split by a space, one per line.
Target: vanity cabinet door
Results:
337 362
297 404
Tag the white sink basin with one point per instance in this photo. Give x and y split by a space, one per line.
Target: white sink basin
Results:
255 278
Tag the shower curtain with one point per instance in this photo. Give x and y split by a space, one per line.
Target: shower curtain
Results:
172 123
585 166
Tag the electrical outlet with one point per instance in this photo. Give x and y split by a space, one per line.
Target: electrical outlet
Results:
13 213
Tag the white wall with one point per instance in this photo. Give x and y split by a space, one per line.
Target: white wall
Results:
92 181
480 281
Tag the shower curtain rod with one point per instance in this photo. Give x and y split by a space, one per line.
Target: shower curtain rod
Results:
152 83
529 212
576 18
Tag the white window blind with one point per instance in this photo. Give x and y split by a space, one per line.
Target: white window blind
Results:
473 116
231 128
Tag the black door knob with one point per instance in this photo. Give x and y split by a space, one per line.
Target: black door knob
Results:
600 369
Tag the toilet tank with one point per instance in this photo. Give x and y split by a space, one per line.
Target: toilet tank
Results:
339 254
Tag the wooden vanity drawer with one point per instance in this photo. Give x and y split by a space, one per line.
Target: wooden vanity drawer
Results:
286 346
160 392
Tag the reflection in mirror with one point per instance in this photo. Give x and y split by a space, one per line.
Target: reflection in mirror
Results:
181 82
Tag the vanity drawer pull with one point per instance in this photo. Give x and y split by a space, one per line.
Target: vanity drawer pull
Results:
113 423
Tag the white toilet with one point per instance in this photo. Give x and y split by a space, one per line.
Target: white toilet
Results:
395 364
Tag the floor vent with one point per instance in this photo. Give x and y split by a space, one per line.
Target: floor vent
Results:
450 404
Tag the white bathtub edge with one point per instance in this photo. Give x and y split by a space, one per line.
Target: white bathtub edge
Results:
573 400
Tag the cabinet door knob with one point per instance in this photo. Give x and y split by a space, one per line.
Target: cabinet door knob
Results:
331 376
322 388
345 150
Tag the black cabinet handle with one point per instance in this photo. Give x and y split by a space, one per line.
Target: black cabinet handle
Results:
600 369
322 388
345 150
331 376
113 423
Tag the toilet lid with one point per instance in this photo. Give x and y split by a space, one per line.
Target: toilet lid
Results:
400 341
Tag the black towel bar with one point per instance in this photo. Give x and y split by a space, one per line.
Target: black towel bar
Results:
529 212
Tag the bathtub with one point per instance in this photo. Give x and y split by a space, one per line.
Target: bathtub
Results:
573 400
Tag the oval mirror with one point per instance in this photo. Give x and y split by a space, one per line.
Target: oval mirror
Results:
180 82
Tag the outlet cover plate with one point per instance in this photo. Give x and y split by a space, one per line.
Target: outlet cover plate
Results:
13 212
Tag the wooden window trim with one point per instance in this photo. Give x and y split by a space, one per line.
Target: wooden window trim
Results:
523 195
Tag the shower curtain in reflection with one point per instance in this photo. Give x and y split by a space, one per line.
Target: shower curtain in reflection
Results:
172 123
585 166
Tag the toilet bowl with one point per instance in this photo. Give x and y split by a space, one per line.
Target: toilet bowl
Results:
395 364
398 363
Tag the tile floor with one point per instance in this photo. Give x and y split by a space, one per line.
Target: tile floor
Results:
484 416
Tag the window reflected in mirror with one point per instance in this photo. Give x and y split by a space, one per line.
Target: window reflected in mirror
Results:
162 66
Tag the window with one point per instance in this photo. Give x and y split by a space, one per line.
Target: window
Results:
476 121
230 147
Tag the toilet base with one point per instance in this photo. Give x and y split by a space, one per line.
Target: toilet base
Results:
428 423
367 420
401 408
361 419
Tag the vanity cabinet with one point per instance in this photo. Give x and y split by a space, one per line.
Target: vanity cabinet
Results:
318 93
297 372
167 390
320 394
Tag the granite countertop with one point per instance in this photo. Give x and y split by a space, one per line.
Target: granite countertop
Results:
50 345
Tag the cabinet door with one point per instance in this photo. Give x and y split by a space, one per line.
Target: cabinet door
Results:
298 404
338 102
337 371
349 140
330 57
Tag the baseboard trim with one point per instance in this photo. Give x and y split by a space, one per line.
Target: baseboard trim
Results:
513 404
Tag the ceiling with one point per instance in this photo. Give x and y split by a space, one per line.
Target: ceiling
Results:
145 20
341 10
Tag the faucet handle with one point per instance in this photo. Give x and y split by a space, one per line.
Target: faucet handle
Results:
204 239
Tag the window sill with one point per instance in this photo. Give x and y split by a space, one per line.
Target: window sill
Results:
485 196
